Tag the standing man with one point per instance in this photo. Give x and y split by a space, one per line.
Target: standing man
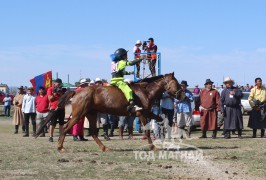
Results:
42 107
7 104
184 111
54 93
167 107
18 118
151 56
209 101
137 52
29 110
257 99
231 109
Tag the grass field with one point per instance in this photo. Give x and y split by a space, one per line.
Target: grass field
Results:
29 158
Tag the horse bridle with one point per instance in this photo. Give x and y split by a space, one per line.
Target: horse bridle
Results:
165 83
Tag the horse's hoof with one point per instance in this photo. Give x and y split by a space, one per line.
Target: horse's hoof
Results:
61 149
153 148
105 149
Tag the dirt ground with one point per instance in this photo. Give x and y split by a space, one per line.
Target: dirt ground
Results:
30 158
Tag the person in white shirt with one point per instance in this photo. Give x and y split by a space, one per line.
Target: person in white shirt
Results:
29 110
7 104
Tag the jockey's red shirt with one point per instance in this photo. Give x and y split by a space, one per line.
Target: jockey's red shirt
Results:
42 103
54 102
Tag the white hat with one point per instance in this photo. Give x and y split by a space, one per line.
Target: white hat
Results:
139 42
227 79
98 80
128 81
83 81
92 82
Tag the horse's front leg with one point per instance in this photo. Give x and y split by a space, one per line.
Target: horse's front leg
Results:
93 131
66 128
147 130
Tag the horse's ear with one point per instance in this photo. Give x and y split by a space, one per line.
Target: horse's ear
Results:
173 74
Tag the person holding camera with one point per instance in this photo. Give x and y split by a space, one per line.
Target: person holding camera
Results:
151 50
118 66
54 93
257 99
137 52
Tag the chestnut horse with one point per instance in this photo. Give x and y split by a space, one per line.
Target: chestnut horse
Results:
109 99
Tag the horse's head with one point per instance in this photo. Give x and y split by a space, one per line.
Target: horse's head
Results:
173 87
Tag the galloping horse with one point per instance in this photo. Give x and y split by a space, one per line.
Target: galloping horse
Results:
109 99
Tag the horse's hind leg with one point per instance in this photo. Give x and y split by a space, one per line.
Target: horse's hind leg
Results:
75 118
93 131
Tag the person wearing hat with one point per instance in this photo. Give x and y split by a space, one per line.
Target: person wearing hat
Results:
54 93
257 99
92 83
231 108
184 111
151 56
137 52
118 71
78 129
18 118
98 82
209 103
29 110
7 104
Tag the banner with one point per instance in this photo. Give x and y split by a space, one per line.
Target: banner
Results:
44 80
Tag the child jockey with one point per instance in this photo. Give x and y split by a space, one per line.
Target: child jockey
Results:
118 71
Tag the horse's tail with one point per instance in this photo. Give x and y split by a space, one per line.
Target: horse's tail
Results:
52 114
65 98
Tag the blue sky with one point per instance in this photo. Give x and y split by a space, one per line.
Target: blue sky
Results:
198 39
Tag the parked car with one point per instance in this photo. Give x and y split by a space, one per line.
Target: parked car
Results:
3 95
245 106
195 113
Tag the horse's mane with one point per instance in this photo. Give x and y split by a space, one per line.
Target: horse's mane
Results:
149 80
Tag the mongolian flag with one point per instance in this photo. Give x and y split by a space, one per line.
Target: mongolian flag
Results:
44 80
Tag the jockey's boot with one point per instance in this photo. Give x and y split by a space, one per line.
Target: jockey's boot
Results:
132 107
